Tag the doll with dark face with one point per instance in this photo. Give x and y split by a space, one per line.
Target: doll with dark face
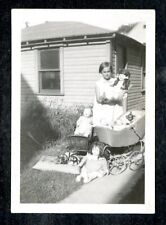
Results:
123 80
92 165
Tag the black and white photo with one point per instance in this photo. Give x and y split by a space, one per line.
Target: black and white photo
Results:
83 103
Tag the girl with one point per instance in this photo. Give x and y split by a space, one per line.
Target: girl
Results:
107 107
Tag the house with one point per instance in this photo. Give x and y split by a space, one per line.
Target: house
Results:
60 61
136 31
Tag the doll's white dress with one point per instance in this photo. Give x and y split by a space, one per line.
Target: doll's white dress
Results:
84 126
105 113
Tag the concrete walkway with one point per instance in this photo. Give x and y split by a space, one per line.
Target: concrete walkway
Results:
109 189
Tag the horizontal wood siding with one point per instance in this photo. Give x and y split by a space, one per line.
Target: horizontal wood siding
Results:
80 72
136 99
81 66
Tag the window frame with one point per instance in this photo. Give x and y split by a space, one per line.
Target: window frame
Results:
42 91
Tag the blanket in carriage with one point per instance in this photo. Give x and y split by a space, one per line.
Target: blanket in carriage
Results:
127 130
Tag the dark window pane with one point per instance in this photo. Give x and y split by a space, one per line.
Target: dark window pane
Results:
50 80
49 59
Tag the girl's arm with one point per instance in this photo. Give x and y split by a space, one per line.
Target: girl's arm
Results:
100 98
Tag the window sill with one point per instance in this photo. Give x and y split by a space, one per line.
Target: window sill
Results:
50 94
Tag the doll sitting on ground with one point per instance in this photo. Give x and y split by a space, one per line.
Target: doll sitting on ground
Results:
92 165
84 124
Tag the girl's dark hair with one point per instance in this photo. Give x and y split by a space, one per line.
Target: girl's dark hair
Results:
103 65
125 72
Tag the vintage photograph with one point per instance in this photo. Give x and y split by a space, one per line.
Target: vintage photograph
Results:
83 108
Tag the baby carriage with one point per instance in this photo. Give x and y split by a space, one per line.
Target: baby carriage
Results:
126 136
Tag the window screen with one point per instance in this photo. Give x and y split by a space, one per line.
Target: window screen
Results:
49 71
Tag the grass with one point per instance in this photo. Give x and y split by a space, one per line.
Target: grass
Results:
43 132
46 186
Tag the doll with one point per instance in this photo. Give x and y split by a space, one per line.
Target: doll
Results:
123 80
92 165
118 86
84 124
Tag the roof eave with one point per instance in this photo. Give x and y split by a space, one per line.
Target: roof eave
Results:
69 39
131 40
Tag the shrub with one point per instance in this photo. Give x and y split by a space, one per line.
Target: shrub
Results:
63 119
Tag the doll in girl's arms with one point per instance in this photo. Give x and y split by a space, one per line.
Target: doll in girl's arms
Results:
123 79
118 86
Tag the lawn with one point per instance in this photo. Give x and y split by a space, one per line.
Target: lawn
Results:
44 132
46 186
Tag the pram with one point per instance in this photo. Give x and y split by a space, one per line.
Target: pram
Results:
125 135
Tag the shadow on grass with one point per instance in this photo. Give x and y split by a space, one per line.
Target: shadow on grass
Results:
35 125
136 196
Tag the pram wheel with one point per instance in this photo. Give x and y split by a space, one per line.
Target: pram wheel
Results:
107 152
115 170
117 165
136 160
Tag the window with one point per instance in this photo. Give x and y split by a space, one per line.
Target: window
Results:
49 71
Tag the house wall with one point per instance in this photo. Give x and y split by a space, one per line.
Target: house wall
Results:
80 72
138 32
136 96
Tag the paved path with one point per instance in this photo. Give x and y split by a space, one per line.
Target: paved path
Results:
109 189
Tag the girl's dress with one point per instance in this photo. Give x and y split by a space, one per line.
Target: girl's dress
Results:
105 113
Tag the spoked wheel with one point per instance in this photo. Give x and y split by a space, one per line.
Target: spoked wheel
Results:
136 160
115 170
63 159
107 152
117 165
73 159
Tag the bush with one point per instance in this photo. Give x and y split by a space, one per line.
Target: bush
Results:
63 119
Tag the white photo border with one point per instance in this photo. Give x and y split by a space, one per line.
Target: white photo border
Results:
18 15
